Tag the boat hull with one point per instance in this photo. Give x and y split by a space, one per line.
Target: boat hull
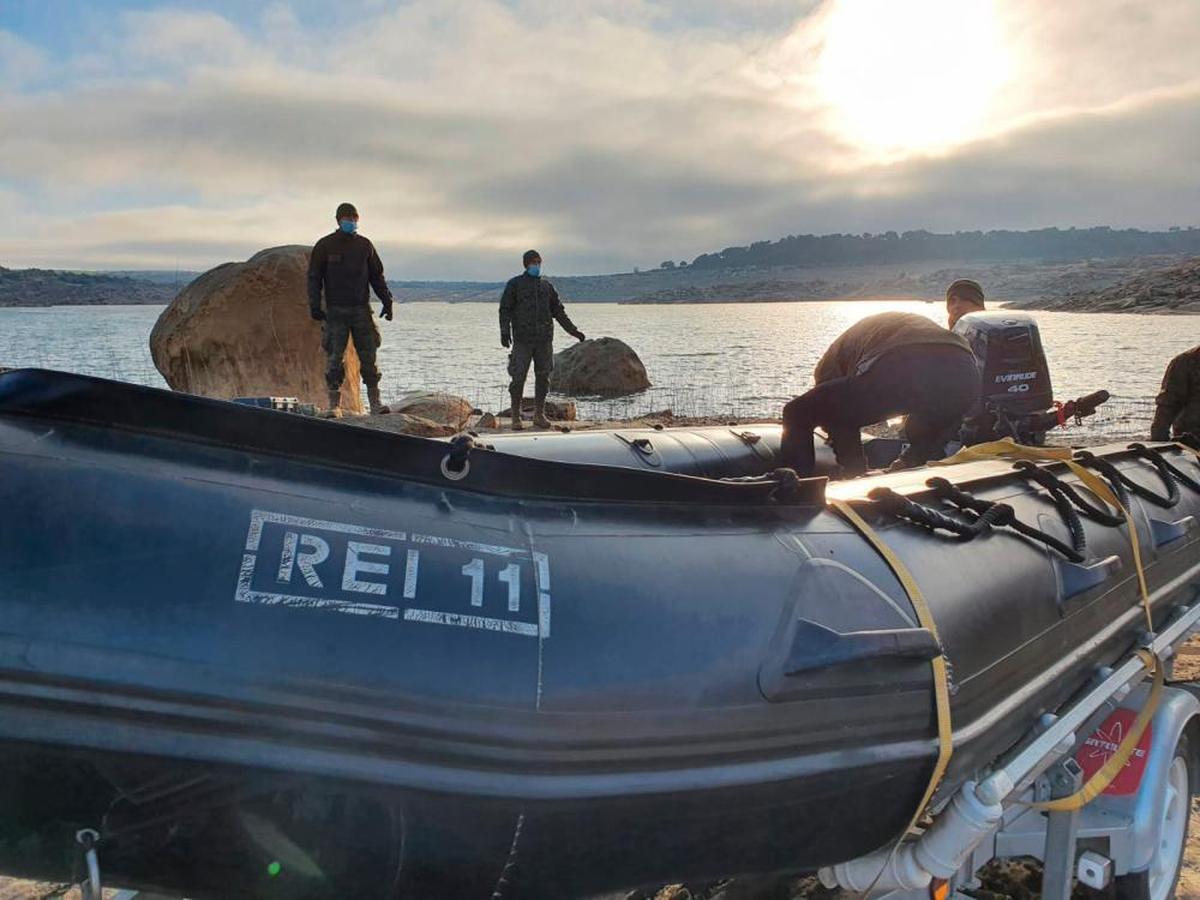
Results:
233 647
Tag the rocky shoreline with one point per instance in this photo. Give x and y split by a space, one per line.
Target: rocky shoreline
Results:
1172 289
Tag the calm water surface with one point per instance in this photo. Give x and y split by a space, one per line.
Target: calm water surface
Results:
741 359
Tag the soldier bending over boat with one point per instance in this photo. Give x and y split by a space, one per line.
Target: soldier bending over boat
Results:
528 308
345 265
886 365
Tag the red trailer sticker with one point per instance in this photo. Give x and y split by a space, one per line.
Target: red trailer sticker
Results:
1102 745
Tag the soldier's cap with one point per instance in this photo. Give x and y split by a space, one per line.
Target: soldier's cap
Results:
966 289
530 254
346 211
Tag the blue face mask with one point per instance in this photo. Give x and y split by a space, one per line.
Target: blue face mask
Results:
535 271
348 225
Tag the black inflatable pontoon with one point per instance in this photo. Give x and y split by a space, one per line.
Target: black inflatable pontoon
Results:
270 656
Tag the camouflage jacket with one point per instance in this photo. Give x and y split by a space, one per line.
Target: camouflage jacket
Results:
1178 402
528 309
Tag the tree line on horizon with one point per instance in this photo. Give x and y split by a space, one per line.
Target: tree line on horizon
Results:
1041 245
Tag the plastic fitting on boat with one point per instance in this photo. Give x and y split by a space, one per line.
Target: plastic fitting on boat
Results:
939 853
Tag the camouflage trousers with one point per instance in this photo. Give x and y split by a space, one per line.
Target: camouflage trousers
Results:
343 324
541 354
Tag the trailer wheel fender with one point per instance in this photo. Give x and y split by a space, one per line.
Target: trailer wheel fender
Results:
1177 719
1159 881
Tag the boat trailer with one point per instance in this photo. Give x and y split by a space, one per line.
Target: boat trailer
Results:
1132 835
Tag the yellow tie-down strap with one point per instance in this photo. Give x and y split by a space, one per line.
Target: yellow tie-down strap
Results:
1099 782
941 684
1010 449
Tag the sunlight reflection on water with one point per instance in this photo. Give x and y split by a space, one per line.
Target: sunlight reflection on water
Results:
736 359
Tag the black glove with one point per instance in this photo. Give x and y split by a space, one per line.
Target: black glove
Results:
386 312
505 341
579 336
317 314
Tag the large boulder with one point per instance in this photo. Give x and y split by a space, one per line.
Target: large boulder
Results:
604 367
434 405
243 330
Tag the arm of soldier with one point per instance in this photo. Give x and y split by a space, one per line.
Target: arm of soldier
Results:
507 301
316 279
560 313
379 283
1170 401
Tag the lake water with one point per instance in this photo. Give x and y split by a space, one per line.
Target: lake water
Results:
736 359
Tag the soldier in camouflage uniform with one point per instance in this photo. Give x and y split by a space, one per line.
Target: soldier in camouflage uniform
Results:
344 266
1178 403
528 308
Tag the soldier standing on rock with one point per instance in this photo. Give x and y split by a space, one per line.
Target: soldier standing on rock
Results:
345 265
527 310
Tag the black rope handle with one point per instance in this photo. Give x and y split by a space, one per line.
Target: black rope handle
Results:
967 501
1112 473
901 507
1163 464
1056 486
1061 494
985 515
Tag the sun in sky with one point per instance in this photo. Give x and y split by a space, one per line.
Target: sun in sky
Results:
902 77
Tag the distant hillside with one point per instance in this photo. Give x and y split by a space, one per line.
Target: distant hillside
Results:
177 278
1175 289
1023 282
446 291
45 287
1049 265
1043 244
1049 245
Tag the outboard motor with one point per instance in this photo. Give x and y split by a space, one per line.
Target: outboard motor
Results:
1017 398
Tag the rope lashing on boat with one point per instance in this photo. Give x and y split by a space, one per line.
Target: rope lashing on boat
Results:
941 677
790 485
1111 472
1155 455
985 516
970 504
1010 449
1106 774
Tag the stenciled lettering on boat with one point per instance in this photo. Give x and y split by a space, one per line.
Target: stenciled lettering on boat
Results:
311 564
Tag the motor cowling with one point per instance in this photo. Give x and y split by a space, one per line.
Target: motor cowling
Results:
1015 377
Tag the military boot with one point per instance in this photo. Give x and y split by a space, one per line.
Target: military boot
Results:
335 405
378 407
539 415
515 412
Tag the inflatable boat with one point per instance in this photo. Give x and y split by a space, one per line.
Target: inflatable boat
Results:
262 655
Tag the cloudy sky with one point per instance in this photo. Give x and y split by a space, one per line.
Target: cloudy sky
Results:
609 134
